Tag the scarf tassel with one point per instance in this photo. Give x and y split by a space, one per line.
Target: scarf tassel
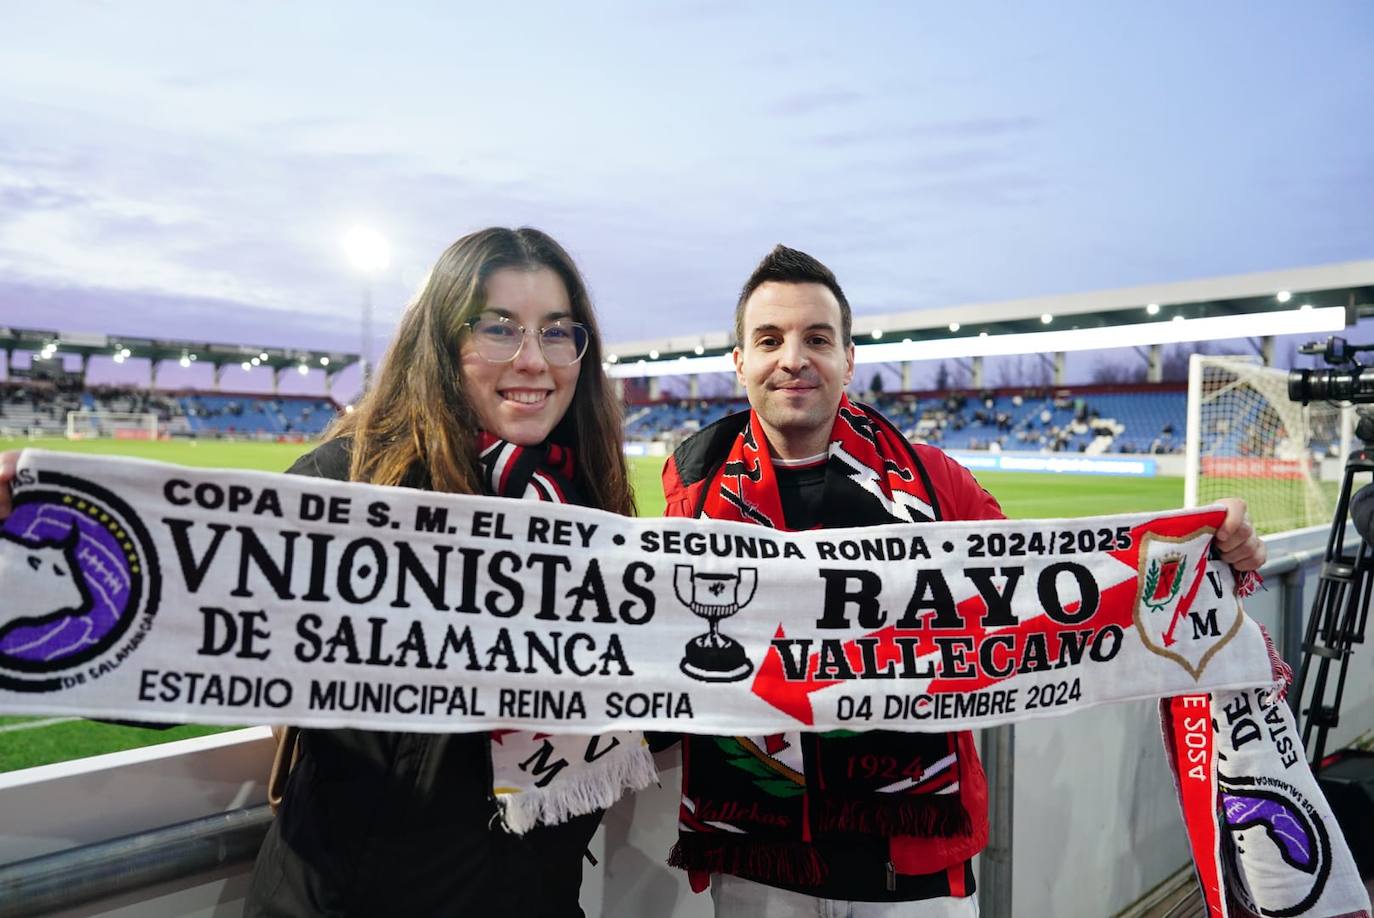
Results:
940 816
575 795
790 863
1247 582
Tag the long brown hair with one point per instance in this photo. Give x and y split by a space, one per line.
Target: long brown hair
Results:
416 416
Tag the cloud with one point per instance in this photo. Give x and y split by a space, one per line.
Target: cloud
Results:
961 131
17 197
77 307
197 82
809 103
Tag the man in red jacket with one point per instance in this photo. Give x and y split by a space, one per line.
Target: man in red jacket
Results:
796 823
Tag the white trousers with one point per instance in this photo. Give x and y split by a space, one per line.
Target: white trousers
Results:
739 898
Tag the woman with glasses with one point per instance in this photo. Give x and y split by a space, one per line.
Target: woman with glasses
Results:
492 385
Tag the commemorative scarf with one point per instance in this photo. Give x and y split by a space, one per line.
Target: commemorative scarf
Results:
1265 842
752 805
140 590
581 774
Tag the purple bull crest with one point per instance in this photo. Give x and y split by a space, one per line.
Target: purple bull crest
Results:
1279 851
74 565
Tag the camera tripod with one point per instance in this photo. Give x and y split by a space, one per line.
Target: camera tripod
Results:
1340 610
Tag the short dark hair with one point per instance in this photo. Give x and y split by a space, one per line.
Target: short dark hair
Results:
790 266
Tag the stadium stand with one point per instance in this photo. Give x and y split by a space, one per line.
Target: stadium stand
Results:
239 414
1086 419
40 408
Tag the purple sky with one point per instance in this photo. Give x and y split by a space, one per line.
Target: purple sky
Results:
187 170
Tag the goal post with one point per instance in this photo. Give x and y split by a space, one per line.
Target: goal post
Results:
119 425
1245 438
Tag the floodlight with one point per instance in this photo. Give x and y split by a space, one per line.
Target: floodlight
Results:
954 326
1305 307
263 356
184 361
699 350
118 358
367 249
1317 320
1046 318
127 353
303 369
877 333
653 355
246 366
1152 309
683 366
982 334
255 361
611 358
1284 296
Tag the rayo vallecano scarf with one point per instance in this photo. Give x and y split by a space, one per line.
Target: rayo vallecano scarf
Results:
595 770
751 803
137 590
863 447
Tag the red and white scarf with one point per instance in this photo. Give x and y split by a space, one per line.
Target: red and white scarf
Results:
862 448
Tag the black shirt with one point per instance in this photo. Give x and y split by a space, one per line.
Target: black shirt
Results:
858 868
801 490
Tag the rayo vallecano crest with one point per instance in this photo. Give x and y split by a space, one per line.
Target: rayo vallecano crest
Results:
715 657
1181 611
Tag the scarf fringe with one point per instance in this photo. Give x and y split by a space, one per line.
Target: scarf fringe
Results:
1281 671
791 863
940 816
595 789
1247 582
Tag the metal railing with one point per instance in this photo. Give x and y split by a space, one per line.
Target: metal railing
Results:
93 872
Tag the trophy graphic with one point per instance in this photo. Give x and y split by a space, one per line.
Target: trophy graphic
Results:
715 657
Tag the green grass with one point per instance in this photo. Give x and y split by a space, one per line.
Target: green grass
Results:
1021 495
77 739
1031 496
646 477
1024 496
1276 504
225 454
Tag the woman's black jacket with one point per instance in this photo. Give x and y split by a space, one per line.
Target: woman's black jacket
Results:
402 823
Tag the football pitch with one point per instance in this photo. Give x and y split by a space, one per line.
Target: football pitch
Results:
26 742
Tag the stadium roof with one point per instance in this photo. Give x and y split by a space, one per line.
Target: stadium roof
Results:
130 347
1314 300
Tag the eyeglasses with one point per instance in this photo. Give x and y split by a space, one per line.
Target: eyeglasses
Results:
499 338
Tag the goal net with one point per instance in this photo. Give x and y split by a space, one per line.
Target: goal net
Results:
1246 439
119 425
